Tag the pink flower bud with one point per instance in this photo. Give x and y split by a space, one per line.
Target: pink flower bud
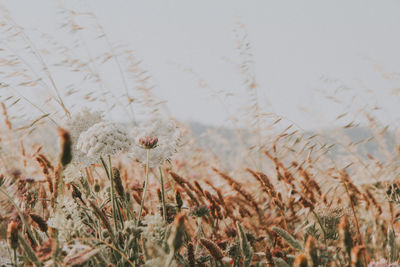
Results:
148 142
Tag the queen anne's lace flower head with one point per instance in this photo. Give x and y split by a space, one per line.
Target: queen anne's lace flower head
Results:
79 123
167 136
103 139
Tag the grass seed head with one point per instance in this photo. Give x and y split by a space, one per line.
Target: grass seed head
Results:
212 248
12 234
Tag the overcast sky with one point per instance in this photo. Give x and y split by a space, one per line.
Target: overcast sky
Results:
301 49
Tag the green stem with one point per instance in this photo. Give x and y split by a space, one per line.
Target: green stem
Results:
110 177
163 195
112 195
15 257
104 166
29 251
145 187
320 225
199 230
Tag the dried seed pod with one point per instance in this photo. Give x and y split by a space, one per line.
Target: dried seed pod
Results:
45 171
118 183
199 188
230 232
43 196
178 199
270 261
178 179
191 257
345 235
311 251
66 147
96 187
175 240
357 256
45 251
101 216
12 234
199 211
159 195
212 248
300 261
76 193
41 223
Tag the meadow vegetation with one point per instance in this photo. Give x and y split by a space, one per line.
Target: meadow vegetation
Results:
79 189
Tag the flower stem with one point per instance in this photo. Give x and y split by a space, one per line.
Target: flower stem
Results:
320 225
199 230
15 257
145 187
163 195
108 170
112 195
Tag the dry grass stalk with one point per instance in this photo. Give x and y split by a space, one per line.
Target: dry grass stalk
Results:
118 183
23 152
239 188
12 235
191 256
45 171
102 217
6 118
40 222
300 261
65 147
212 248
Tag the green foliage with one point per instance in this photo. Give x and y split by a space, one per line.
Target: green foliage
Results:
392 246
288 238
245 246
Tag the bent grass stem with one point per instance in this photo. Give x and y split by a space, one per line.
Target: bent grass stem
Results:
163 195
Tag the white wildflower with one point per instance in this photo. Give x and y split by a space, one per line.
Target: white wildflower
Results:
66 219
102 139
167 135
154 232
78 124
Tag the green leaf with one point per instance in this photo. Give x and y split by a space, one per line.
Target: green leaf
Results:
288 238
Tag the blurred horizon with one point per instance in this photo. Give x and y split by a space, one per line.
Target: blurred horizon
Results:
313 63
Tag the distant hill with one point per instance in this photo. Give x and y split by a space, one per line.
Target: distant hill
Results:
206 134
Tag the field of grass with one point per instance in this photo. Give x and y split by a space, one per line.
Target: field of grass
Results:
79 189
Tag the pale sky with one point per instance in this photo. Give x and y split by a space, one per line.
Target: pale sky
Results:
299 47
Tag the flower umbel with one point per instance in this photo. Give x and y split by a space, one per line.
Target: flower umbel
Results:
103 139
79 123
